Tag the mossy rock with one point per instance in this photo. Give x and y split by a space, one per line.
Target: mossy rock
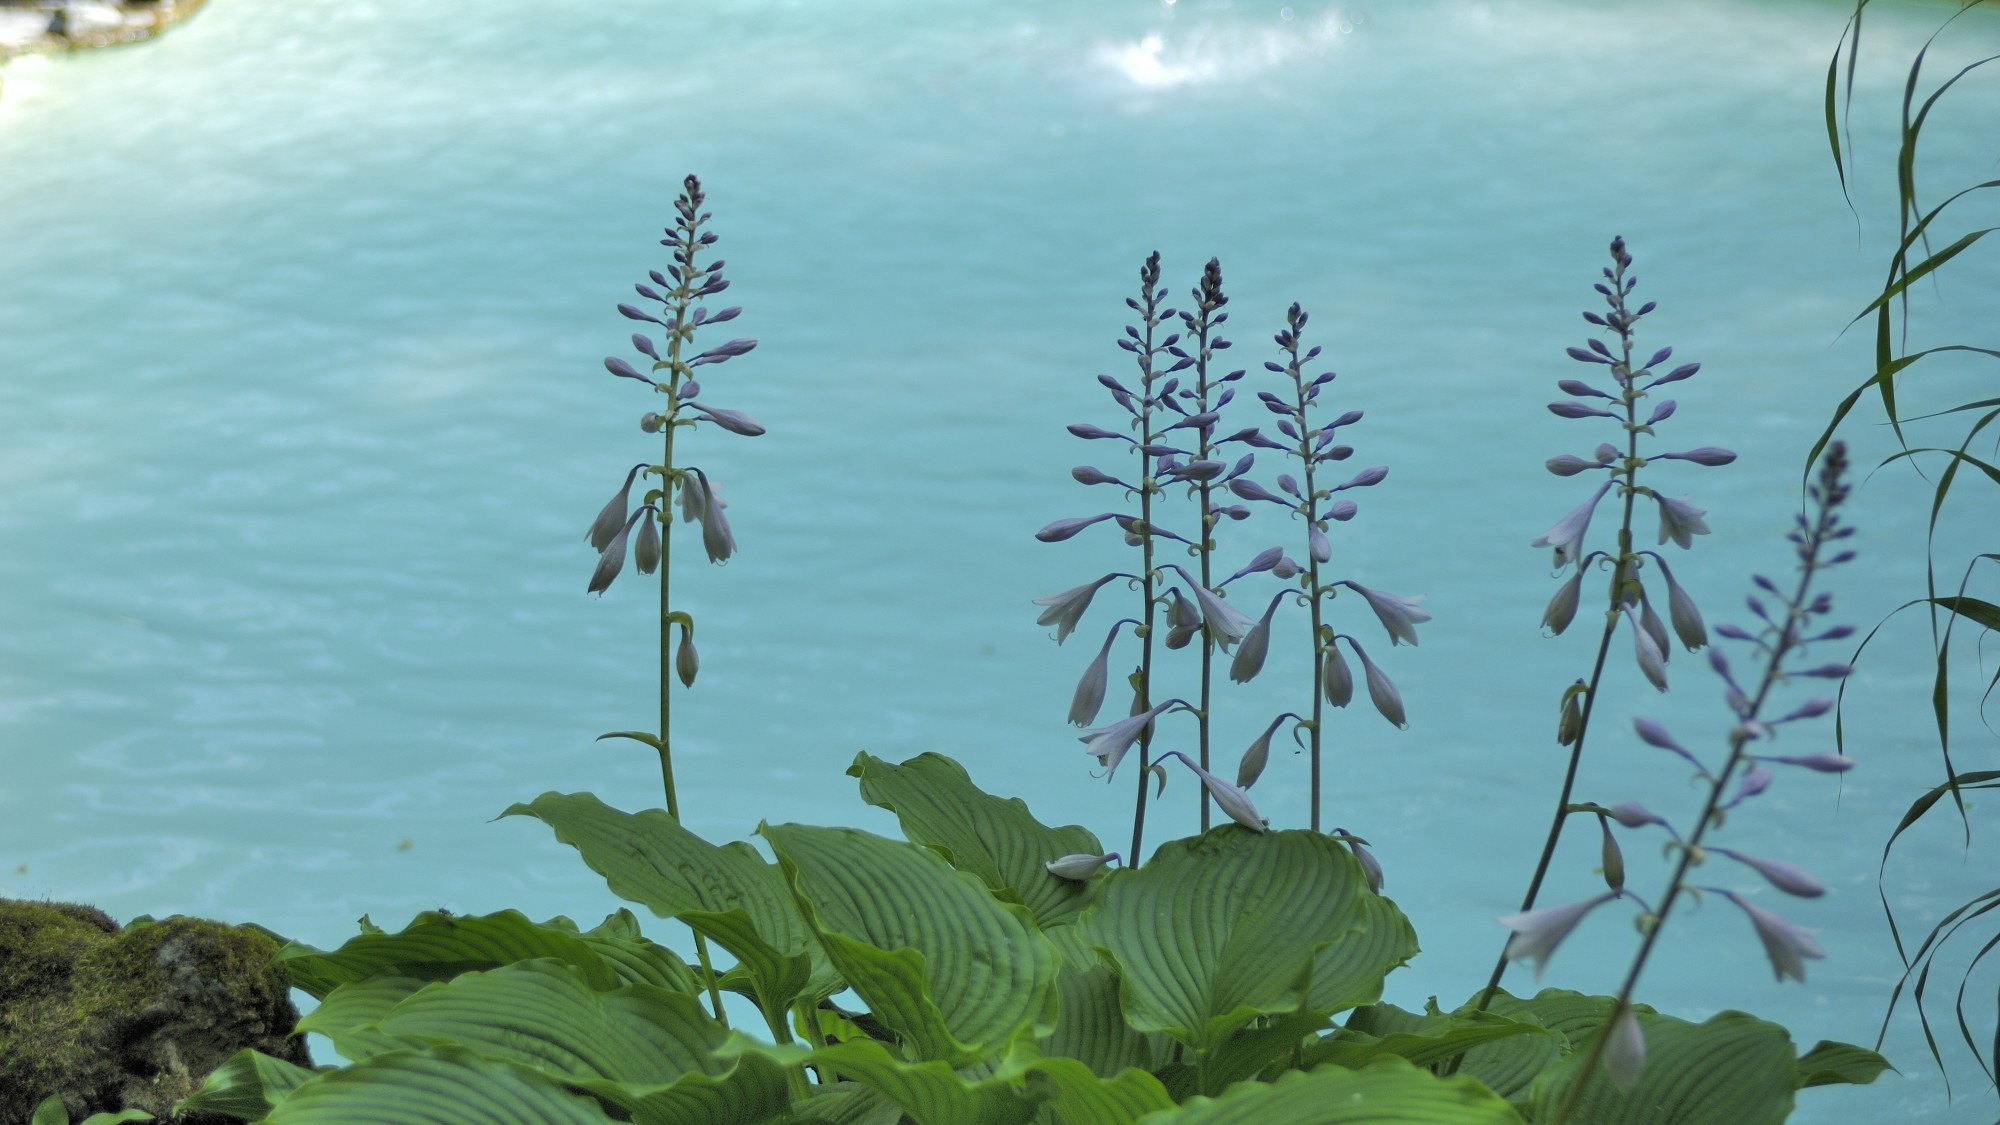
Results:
129 1018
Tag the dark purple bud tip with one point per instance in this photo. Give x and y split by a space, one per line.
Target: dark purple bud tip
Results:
624 370
633 312
1090 432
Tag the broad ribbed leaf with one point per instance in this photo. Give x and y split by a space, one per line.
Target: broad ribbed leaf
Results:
931 1093
245 1086
1830 1062
1090 1026
1384 1029
1388 1092
953 970
1221 928
443 1086
729 893
1734 1069
1349 972
995 838
1509 1066
436 946
636 959
1079 1097
350 1015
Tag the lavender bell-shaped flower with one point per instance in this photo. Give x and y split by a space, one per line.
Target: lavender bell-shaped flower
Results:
1228 798
1398 614
612 517
1381 690
1652 661
646 548
1109 745
1625 1051
613 557
1562 607
1336 679
1538 932
1788 946
1090 689
1183 620
1258 753
1566 537
1256 644
1224 623
687 662
1064 610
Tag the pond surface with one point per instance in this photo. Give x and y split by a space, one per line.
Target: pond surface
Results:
302 316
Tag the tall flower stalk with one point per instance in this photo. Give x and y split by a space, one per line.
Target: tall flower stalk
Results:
1785 630
1064 610
1627 597
676 309
1314 444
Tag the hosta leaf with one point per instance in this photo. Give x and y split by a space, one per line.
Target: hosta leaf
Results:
1349 972
1387 1092
1830 1062
728 893
435 946
1218 929
1383 1029
953 970
1079 1097
245 1086
1090 1026
931 1093
351 1015
1734 1069
442 1086
995 838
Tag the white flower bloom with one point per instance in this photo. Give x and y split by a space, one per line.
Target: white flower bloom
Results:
1228 798
1682 611
1787 945
1336 679
1089 698
1381 691
1398 614
1566 537
1183 620
716 537
1250 658
1625 1051
1110 744
1680 521
1079 867
1538 932
1066 609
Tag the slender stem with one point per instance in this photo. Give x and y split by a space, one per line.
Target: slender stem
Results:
1621 567
1149 578
1206 523
1690 850
1315 590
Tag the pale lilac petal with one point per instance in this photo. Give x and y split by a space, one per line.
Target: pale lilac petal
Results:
1109 745
1680 521
1228 798
1399 615
1381 691
1089 697
1256 643
1064 610
1625 1051
1336 679
1538 932
1651 660
735 421
1224 623
1682 612
1063 529
1566 537
1788 946
1254 758
1787 877
1562 607
612 516
1823 762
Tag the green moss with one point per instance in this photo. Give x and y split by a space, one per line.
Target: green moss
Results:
115 1019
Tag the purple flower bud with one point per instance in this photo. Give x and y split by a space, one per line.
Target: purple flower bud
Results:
624 370
1228 798
1676 375
1811 709
1681 610
1653 734
1085 474
1569 465
645 344
1709 455
1789 878
1289 484
1569 409
1335 678
1366 477
688 390
1251 490
646 549
1651 660
633 312
1079 868
1265 560
1662 412
716 538
1088 431
1258 753
722 352
1341 510
1089 697
1063 529
1581 389
1632 814
1828 671
1605 453
687 662
735 421
1381 690
1317 544
1183 620
1286 568
1584 356
1199 470
1398 614
1821 763
1256 643
1613 860
612 516
1755 781
730 313
1562 607
612 560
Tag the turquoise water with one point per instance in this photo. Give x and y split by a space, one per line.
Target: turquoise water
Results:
302 316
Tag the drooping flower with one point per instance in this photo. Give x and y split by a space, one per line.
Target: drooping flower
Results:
1183 620
1224 623
1336 679
1110 744
1381 690
1651 660
1370 869
613 557
1252 765
716 537
612 516
1398 614
1566 537
1625 1050
1613 859
1066 609
1538 932
687 662
1079 867
1562 607
1789 878
735 421
1680 521
1682 612
1787 946
1228 798
1063 529
1256 643
646 549
1089 697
